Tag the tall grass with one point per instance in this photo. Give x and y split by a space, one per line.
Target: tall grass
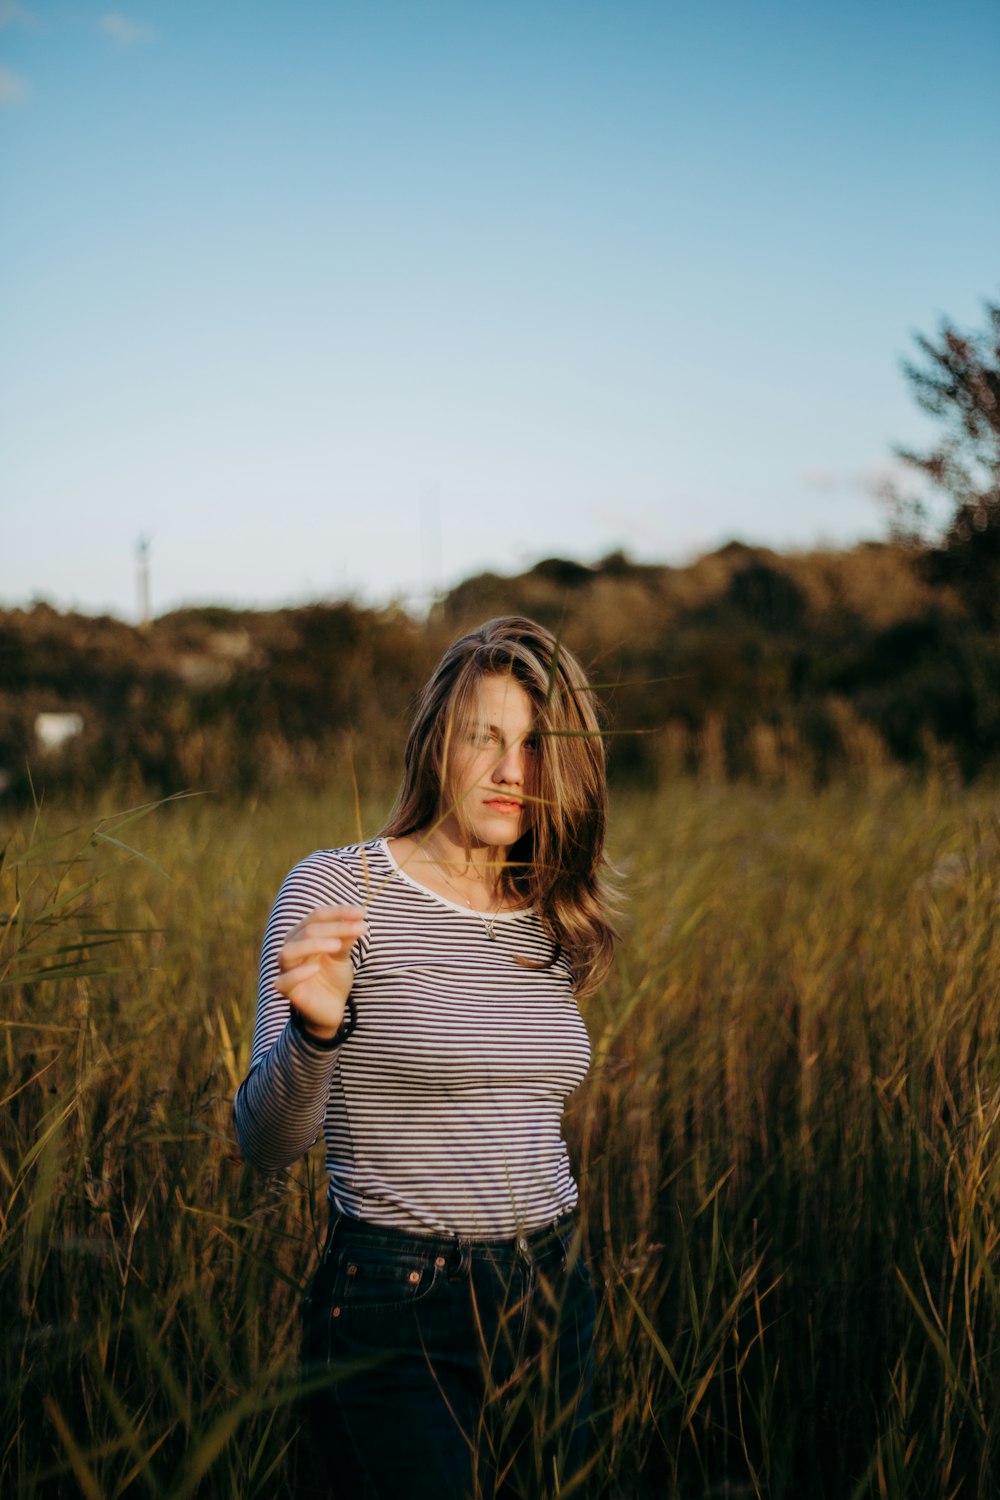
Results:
788 1148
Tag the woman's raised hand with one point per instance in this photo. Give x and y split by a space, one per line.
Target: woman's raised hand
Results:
315 966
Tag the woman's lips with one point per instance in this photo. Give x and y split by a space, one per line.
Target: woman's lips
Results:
504 805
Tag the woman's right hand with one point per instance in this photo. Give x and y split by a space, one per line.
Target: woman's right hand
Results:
315 969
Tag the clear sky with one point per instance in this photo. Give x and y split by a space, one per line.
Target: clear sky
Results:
361 296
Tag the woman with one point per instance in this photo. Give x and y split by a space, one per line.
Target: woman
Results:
418 1004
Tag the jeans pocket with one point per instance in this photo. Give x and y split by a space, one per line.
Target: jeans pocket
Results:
373 1279
315 1314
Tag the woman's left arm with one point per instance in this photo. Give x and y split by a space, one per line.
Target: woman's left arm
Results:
279 1107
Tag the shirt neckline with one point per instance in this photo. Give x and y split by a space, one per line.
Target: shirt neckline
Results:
464 911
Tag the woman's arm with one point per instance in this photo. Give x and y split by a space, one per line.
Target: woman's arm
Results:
279 1107
308 959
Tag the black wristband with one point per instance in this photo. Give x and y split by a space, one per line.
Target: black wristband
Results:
326 1044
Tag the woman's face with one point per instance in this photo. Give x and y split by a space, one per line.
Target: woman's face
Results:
492 767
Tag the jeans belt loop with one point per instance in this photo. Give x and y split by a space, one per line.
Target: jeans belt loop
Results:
462 1262
565 1229
335 1218
560 1239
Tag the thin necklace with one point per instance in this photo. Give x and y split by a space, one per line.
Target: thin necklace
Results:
488 919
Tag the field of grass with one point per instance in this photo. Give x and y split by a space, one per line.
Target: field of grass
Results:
788 1150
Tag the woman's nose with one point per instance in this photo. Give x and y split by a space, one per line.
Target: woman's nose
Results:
510 765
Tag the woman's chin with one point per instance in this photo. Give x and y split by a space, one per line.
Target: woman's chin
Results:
498 827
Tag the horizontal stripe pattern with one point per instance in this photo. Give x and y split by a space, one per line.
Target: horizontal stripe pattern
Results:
442 1111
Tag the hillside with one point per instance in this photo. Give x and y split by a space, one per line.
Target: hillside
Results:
744 663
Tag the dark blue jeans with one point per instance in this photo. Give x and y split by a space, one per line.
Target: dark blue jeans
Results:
451 1368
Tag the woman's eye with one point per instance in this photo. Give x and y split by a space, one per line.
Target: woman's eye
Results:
531 744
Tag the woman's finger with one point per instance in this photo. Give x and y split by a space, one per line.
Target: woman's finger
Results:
299 948
354 928
348 913
330 925
291 978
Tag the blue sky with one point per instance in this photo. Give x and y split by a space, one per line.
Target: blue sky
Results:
334 298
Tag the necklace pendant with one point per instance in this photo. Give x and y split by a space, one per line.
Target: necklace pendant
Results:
490 925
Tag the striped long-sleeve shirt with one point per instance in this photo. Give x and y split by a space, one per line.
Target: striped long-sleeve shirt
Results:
442 1109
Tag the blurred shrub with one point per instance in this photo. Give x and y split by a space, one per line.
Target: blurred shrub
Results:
744 664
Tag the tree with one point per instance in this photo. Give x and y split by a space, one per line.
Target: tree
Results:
959 383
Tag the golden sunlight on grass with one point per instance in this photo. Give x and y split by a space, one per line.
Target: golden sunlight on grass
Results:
788 1149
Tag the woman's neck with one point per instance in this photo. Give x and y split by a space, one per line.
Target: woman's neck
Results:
437 856
444 844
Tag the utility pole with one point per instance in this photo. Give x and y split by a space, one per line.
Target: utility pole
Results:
431 539
142 580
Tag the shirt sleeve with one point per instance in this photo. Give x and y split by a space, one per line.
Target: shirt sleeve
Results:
279 1107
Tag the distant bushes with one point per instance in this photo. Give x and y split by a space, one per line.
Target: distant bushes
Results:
745 664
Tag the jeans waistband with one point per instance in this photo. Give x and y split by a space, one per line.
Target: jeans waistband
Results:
558 1233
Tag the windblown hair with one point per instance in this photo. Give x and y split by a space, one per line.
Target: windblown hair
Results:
557 865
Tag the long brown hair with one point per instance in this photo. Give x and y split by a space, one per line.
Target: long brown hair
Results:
557 865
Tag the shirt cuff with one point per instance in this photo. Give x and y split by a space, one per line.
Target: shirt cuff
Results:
325 1044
